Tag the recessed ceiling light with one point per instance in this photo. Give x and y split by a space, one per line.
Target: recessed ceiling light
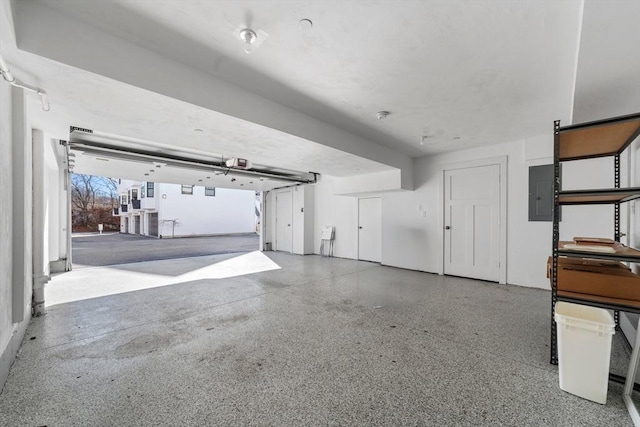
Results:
146 174
198 130
241 185
208 177
381 115
199 180
456 137
249 37
305 24
152 170
250 182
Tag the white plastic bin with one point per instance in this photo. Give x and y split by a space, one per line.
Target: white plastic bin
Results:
584 349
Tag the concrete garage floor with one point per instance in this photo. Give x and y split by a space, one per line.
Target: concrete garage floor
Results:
284 340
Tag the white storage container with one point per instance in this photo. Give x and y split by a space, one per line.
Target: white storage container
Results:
584 349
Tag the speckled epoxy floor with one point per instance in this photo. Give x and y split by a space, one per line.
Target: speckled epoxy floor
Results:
305 341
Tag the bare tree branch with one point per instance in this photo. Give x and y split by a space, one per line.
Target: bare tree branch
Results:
91 197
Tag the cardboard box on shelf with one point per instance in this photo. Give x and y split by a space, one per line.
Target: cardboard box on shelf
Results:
609 279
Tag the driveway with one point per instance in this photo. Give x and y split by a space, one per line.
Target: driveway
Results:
116 248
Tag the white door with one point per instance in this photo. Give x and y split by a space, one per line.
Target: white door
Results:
472 222
284 217
370 229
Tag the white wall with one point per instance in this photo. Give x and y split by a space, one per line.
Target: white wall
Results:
302 219
15 225
6 221
40 214
53 199
229 211
411 240
49 227
607 83
340 212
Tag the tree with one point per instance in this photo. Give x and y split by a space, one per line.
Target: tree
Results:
173 222
92 201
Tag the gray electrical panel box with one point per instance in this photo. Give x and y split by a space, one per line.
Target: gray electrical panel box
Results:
541 193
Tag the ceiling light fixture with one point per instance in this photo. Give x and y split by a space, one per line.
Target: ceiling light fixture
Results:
381 115
305 24
249 37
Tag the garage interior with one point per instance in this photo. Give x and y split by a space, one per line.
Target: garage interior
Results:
387 123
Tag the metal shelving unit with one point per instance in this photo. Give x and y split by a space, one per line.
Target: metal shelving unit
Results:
601 138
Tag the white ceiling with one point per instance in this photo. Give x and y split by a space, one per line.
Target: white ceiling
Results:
463 73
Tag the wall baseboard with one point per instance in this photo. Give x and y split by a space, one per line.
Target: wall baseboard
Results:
8 356
58 266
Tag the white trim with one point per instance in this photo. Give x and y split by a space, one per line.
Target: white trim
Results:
501 161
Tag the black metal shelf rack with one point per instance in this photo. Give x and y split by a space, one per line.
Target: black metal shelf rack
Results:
601 138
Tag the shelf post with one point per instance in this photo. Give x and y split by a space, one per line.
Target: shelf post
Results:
616 216
556 239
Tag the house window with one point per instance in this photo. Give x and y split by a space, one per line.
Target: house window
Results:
150 189
124 199
142 192
209 191
187 189
134 194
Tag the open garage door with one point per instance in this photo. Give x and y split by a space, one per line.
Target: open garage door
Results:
98 153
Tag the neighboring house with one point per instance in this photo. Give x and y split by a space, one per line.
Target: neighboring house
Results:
174 210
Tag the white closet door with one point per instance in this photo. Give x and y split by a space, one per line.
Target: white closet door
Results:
370 229
472 222
284 219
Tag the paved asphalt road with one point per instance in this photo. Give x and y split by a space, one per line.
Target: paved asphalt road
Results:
116 248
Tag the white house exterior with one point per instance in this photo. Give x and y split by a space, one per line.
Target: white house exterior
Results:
174 210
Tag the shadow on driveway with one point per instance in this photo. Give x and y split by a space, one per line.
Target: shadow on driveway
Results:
116 248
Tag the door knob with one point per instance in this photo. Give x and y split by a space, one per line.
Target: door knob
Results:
288 225
360 227
447 227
